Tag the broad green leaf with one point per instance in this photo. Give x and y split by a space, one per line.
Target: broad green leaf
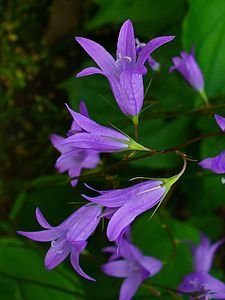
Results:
22 267
204 27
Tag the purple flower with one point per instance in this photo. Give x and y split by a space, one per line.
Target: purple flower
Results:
200 282
190 70
124 205
88 135
70 237
125 73
131 264
217 163
154 65
74 160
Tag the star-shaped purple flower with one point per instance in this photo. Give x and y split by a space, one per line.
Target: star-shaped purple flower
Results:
128 262
88 135
125 73
70 237
199 282
217 163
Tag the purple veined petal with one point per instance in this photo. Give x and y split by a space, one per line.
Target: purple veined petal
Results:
42 235
130 286
95 142
91 159
118 268
118 197
57 253
177 61
41 219
132 92
68 160
129 211
89 71
203 254
83 109
74 258
73 172
129 251
195 77
108 212
215 164
220 121
102 58
92 127
85 225
150 47
151 264
126 45
55 140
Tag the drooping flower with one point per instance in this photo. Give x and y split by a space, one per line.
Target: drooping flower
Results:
68 238
189 68
125 73
88 135
154 65
131 264
200 283
217 163
124 205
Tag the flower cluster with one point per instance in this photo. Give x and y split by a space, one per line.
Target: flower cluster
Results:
81 148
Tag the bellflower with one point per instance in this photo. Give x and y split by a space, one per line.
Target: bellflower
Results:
125 73
126 204
189 68
217 163
154 65
74 160
87 134
131 264
200 283
68 238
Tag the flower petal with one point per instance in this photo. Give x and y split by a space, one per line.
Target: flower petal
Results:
89 71
41 219
83 109
150 47
220 121
151 264
126 45
118 197
129 211
87 219
118 268
74 258
130 286
57 253
215 164
42 235
103 59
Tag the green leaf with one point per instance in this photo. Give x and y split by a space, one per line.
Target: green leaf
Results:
148 14
204 27
22 269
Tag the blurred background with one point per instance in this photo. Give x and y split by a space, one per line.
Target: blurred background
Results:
39 59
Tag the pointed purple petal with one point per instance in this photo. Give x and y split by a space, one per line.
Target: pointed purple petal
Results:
150 47
86 223
92 127
151 264
126 45
130 286
103 59
215 164
41 236
55 140
220 121
117 198
129 211
57 253
89 71
83 109
119 268
41 219
74 258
